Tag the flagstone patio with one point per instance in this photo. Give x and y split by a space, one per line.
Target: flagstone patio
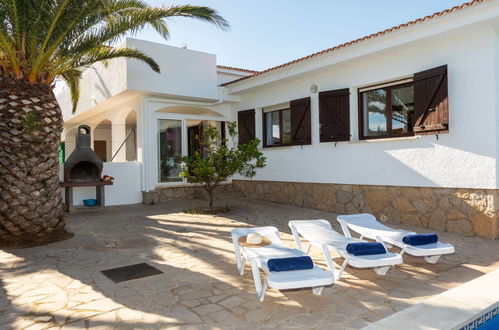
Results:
60 285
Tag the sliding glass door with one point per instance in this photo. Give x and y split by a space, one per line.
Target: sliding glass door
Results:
170 150
177 138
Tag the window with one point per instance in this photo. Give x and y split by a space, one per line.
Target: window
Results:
287 124
277 128
386 111
414 106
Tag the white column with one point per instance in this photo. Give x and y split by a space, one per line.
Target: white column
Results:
141 144
259 125
354 115
314 117
147 152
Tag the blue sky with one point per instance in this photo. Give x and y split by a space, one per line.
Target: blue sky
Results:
266 33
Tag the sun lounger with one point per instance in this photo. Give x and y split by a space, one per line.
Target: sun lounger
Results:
367 226
316 278
319 233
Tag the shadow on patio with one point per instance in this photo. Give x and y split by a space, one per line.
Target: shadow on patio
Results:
61 284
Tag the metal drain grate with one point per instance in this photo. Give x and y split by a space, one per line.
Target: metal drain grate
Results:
131 272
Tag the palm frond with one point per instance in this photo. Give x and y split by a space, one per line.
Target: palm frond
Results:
69 14
41 40
9 58
72 78
108 53
131 21
206 14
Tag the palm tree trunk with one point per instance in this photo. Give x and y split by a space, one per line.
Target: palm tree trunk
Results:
30 197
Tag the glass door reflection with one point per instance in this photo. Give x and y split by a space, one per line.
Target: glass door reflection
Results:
170 150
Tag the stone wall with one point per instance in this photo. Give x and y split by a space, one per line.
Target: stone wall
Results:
464 211
188 192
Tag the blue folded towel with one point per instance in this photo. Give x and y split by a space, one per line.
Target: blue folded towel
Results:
420 239
363 249
293 263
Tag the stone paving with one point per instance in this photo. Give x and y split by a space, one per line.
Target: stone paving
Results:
60 285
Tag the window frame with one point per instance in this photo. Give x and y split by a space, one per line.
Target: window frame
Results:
183 144
388 89
281 128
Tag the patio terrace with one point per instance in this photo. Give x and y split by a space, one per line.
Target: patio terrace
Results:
60 285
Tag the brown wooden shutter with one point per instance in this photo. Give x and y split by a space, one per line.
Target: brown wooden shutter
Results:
246 126
301 131
431 109
334 115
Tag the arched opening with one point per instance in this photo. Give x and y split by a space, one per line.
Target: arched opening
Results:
103 140
190 110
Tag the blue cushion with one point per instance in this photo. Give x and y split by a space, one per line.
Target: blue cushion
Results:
364 249
294 263
420 239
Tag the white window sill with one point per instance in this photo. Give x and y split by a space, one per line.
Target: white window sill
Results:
285 147
404 138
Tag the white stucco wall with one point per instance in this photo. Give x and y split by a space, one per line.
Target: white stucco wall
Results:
496 83
99 83
184 72
466 157
224 76
125 190
187 88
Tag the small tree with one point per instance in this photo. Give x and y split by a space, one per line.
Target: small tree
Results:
216 161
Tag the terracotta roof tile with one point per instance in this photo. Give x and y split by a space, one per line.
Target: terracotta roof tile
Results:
236 69
356 41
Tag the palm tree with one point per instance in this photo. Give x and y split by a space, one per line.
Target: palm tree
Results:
44 40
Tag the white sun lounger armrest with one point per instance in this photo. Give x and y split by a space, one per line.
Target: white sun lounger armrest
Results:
368 226
320 233
380 240
315 278
260 287
296 236
345 229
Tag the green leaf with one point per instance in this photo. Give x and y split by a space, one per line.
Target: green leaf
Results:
217 162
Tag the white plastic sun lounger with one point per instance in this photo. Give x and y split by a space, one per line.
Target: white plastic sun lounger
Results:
316 278
319 233
367 226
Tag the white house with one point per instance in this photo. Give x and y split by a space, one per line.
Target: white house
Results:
402 123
